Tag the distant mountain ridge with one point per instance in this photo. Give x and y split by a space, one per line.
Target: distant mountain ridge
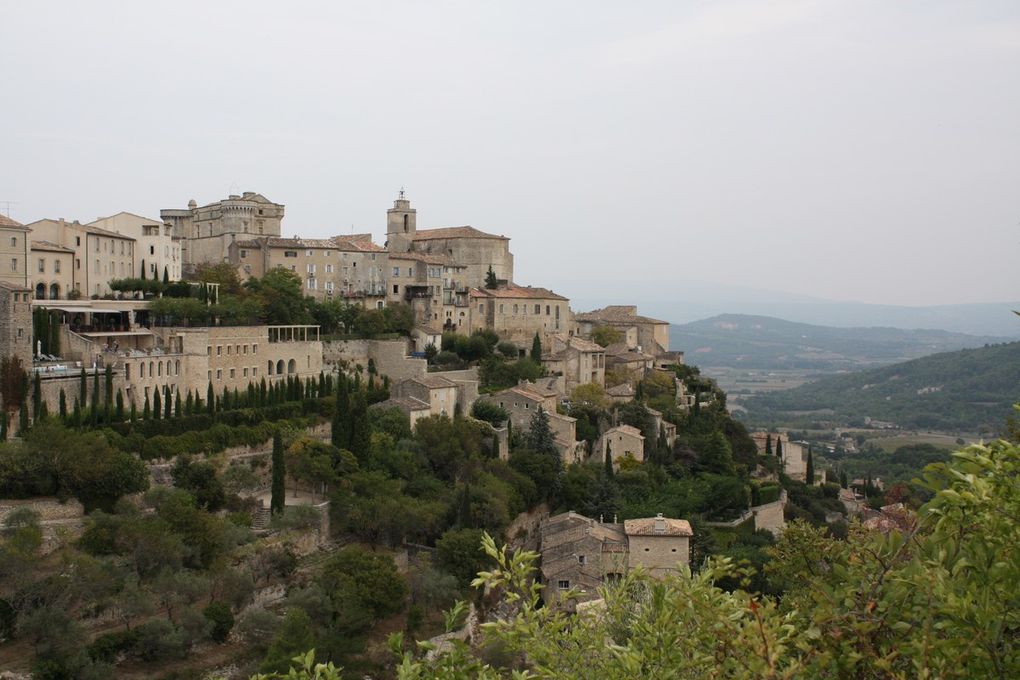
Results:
971 389
763 342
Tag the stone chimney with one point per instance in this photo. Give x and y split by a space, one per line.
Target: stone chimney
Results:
660 524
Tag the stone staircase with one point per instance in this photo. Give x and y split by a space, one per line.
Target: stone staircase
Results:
260 520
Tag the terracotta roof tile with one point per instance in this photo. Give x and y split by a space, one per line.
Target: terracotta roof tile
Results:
453 232
513 291
8 223
646 526
50 247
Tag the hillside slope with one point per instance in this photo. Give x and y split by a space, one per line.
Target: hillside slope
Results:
763 342
965 390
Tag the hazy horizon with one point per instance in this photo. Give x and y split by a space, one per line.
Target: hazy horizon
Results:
848 151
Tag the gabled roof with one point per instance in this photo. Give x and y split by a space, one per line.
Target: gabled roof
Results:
616 314
131 214
513 291
522 392
8 223
453 232
433 382
657 526
621 390
626 429
50 247
421 257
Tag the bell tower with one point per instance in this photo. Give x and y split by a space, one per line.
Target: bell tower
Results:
401 224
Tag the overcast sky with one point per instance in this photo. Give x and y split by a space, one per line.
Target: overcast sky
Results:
858 150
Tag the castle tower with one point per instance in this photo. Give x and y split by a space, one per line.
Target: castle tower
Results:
401 225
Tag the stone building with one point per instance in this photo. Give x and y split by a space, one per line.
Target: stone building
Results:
629 364
208 231
652 335
620 441
100 255
523 401
439 393
476 251
157 251
16 322
351 268
517 313
579 361
14 252
581 553
52 270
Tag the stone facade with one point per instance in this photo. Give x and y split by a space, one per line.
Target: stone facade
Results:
52 270
581 553
517 313
579 361
16 322
157 252
351 268
100 256
210 230
621 441
652 335
14 252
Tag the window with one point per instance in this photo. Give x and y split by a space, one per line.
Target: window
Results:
42 265
255 348
538 309
77 263
312 284
208 350
580 559
228 350
232 374
290 253
21 332
244 253
219 374
328 253
14 264
501 309
329 269
308 253
244 372
152 249
410 271
254 371
56 266
210 375
141 370
396 271
515 309
219 350
97 245
547 310
329 286
14 242
563 584
246 349
311 268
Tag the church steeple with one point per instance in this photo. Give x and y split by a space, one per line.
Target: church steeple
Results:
401 224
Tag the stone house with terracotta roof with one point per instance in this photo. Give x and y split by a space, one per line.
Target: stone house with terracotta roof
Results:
579 553
577 360
621 441
349 267
517 313
523 401
652 334
52 270
100 255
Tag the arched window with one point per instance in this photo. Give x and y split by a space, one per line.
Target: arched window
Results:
40 291
269 369
177 367
152 370
405 223
168 365
159 368
291 366
141 369
55 291
279 367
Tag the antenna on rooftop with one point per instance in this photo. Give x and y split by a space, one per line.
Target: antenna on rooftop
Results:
8 204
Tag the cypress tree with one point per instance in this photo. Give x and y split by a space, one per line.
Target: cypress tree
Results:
3 425
536 349
225 399
108 383
168 403
263 392
36 396
82 386
76 414
696 409
608 462
134 412
157 405
779 448
146 411
166 276
322 384
189 404
236 399
360 431
464 518
210 400
120 406
63 405
810 467
768 444
540 437
279 486
44 411
23 419
95 397
341 436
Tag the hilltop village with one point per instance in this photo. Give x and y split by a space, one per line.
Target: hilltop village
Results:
228 424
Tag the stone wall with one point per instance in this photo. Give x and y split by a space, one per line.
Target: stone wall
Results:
58 520
391 357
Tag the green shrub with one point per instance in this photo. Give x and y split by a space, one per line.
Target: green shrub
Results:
222 620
